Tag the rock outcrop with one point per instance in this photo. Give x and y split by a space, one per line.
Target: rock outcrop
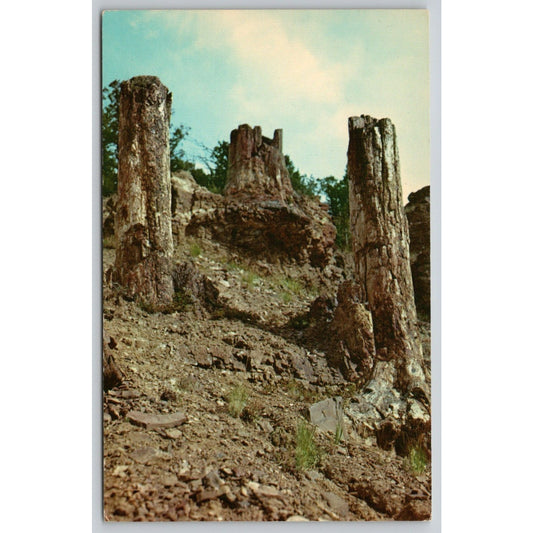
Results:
144 245
380 243
418 214
260 214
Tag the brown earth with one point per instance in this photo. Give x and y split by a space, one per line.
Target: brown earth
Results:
242 327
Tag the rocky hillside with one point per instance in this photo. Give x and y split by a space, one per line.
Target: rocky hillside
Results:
252 371
244 372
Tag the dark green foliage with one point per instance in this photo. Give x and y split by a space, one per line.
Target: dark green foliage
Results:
301 183
219 169
177 155
336 193
110 100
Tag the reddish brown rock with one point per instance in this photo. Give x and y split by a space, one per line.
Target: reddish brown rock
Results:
112 375
143 218
380 243
418 215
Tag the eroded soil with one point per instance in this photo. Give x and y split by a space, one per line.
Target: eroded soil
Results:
220 465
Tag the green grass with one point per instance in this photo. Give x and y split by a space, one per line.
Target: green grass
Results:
232 265
339 434
109 242
195 250
237 400
249 278
307 453
286 297
417 460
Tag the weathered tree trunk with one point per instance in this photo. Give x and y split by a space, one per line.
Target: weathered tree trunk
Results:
256 165
143 219
380 239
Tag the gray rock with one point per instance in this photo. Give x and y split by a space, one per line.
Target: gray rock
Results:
327 414
153 421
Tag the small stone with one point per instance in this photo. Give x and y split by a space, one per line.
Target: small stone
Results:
173 433
169 480
297 518
212 480
144 455
336 503
206 495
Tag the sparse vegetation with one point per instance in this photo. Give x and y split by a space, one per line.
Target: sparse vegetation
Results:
251 411
109 242
300 392
195 249
286 297
417 460
250 278
307 453
339 434
237 400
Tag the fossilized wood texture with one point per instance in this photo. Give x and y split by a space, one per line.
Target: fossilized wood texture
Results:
256 166
380 240
352 331
418 214
143 218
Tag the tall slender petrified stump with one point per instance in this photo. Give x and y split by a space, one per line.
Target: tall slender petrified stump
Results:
380 239
143 219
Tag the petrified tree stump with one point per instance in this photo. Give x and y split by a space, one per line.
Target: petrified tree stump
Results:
380 239
256 165
143 219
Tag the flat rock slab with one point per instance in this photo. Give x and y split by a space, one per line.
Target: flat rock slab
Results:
153 421
327 414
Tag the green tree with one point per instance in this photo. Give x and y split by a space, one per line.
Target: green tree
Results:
177 154
110 100
301 183
219 167
336 192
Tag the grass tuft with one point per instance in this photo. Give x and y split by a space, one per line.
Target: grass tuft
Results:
237 400
195 250
417 460
307 453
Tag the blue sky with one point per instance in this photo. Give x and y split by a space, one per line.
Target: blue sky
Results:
305 71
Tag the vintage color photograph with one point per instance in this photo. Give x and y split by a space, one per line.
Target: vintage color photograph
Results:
266 299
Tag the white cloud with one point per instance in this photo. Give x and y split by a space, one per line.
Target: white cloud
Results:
279 62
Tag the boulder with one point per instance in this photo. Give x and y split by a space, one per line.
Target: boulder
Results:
418 215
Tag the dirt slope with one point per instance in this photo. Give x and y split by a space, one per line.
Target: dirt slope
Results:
225 465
